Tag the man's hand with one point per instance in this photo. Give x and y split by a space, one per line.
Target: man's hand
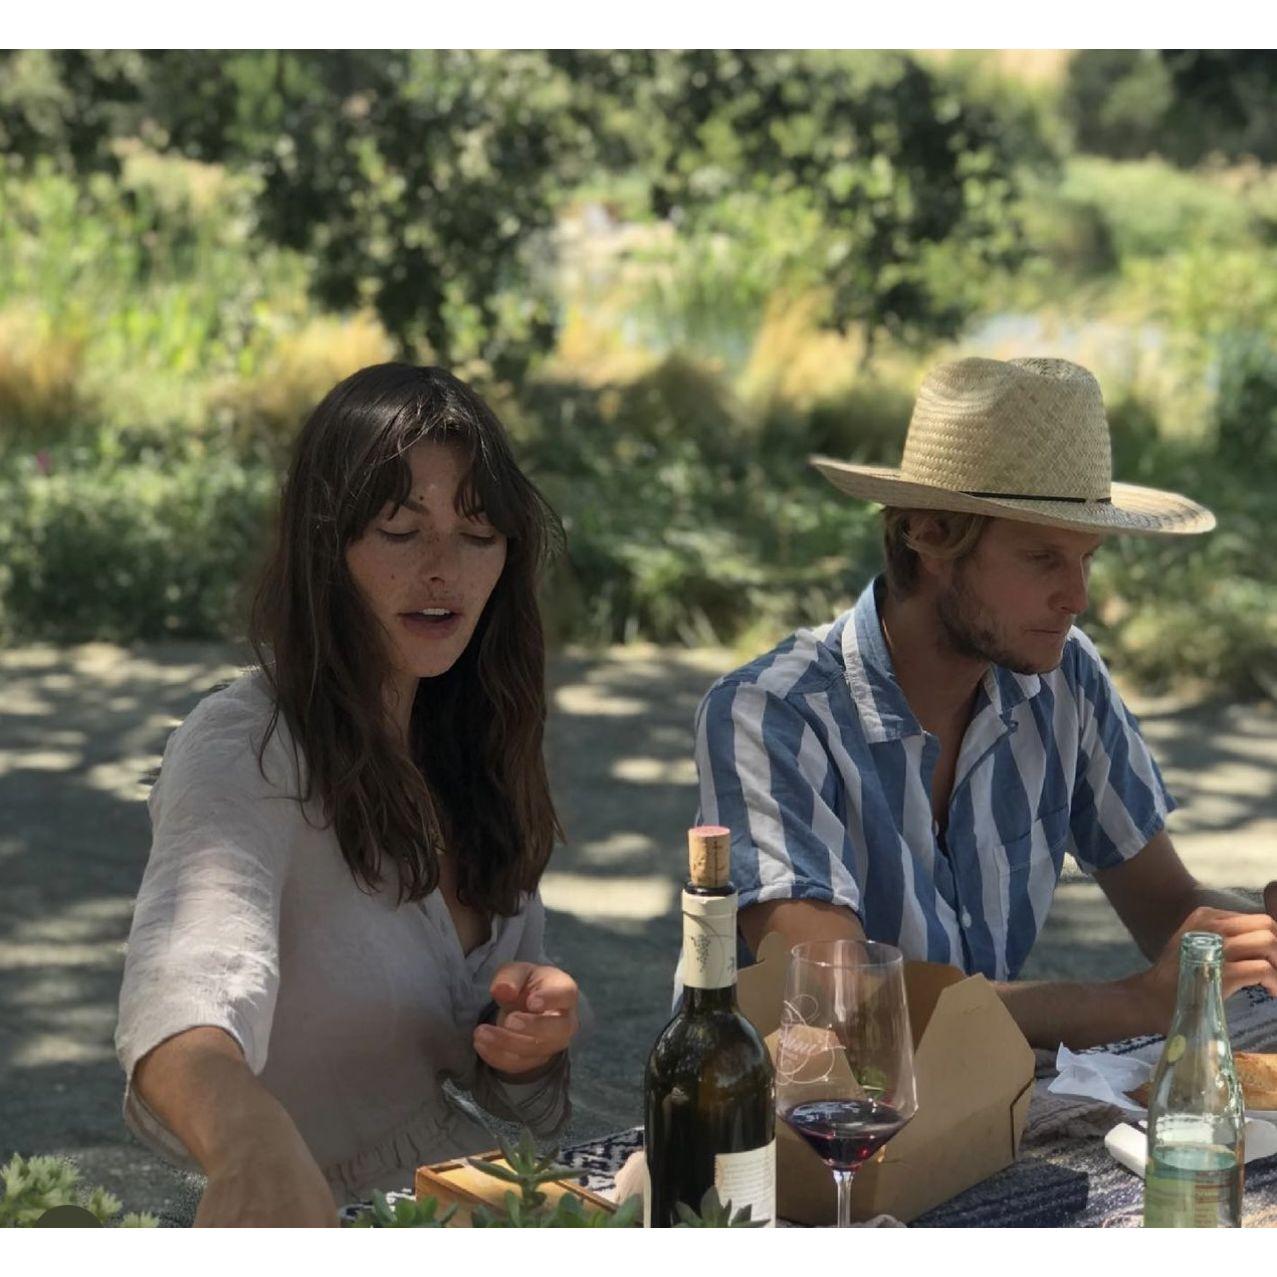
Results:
1250 954
536 1021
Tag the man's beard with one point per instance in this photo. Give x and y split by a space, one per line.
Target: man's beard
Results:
971 630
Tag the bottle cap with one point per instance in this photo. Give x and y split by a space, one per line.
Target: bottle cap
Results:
709 856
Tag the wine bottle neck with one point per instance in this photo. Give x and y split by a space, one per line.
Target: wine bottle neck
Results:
709 939
709 1001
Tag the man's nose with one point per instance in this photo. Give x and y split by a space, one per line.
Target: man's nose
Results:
1074 597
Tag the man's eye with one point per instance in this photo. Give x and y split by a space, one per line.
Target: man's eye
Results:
397 536
480 538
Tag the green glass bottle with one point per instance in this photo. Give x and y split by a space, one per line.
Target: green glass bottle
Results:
710 1088
1193 1177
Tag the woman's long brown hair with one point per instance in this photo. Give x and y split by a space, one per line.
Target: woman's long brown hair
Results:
472 778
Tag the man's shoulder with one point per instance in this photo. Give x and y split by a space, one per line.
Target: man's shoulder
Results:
806 661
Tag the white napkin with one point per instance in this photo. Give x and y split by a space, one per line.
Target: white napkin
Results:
1100 1077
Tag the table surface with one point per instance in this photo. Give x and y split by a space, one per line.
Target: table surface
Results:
1063 1177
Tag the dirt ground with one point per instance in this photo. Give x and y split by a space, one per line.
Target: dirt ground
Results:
80 726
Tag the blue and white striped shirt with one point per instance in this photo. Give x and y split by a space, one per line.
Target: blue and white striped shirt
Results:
813 759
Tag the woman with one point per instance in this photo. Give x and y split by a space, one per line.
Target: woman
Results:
340 906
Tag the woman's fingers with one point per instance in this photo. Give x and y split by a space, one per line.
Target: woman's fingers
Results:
509 985
512 1052
534 987
537 1018
550 989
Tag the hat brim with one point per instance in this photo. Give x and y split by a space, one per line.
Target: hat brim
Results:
1132 510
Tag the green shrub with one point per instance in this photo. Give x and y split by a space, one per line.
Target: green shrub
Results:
1152 209
691 532
130 553
41 378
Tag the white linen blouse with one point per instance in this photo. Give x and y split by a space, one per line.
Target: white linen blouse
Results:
350 1009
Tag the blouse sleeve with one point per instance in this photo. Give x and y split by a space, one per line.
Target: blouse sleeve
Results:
204 945
543 1105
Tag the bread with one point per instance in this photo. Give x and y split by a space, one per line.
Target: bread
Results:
1258 1075
1256 1072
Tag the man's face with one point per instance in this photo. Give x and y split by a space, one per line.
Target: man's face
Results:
1014 600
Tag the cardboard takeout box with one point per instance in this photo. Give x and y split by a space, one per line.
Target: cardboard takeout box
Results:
975 1079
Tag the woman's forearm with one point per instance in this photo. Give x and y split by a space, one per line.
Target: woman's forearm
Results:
200 1086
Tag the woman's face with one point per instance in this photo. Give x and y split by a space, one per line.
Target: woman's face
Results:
425 570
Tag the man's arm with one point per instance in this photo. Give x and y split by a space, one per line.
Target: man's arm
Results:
1050 1012
798 921
1047 1013
1154 894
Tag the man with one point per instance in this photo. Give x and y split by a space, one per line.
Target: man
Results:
915 771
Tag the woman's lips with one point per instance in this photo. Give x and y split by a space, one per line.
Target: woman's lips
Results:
435 627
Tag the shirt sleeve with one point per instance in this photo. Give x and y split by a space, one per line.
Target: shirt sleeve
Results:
765 775
204 944
1119 798
543 1105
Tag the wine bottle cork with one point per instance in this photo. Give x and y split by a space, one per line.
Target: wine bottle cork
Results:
709 855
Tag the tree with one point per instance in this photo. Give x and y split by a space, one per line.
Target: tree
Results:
416 181
895 161
1183 104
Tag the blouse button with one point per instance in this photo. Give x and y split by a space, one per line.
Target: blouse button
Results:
966 918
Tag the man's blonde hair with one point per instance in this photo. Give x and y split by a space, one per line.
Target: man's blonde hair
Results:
959 536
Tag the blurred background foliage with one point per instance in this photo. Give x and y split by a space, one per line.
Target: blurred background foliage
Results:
675 273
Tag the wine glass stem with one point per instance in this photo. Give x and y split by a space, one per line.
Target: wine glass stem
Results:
843 1180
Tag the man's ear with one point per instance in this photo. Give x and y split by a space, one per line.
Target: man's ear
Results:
927 529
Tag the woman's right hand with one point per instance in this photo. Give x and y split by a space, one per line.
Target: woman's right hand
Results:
275 1186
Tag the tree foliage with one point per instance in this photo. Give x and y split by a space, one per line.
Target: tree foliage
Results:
424 182
1183 104
893 159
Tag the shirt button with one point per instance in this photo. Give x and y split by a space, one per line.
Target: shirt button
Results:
966 918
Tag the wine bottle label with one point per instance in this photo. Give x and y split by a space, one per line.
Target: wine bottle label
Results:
709 941
748 1179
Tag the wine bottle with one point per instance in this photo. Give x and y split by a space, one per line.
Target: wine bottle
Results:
710 1089
1195 1164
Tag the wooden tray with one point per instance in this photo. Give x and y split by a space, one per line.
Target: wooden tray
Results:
457 1183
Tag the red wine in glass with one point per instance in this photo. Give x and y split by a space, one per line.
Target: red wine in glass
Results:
844 1067
844 1133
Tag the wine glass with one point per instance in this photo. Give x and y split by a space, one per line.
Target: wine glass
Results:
844 1061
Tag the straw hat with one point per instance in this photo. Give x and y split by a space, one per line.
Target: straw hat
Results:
1023 439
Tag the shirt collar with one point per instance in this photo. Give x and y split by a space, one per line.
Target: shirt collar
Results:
871 677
